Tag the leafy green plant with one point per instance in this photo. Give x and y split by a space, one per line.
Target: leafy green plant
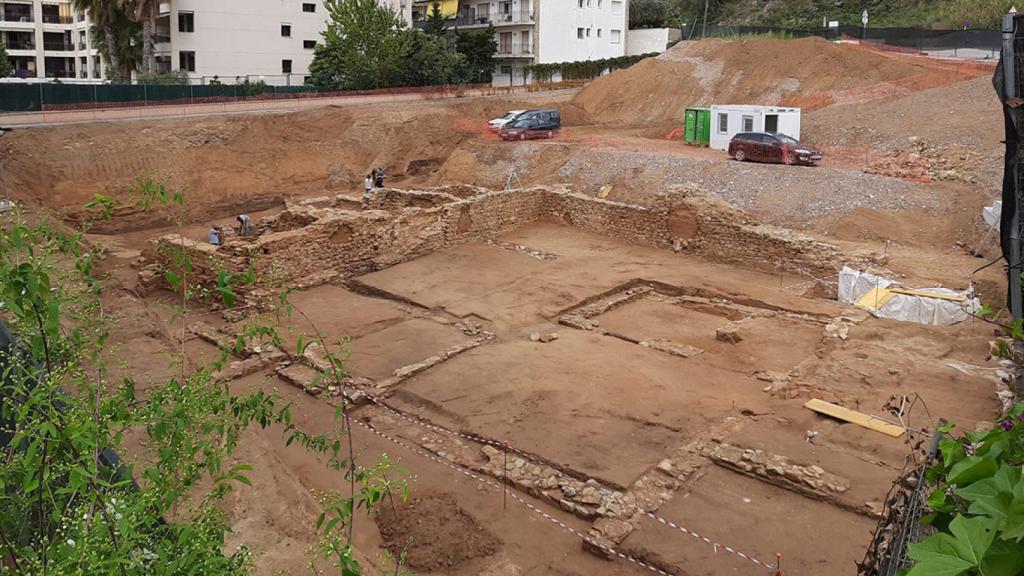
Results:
977 504
583 69
68 504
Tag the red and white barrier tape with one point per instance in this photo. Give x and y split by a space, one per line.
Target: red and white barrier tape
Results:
492 484
531 459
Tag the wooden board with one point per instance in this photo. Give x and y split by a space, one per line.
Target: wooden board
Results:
853 417
924 294
875 298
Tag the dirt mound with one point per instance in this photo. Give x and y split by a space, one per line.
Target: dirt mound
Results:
229 164
808 72
434 532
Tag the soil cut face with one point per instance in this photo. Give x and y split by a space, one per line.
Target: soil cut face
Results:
809 73
434 533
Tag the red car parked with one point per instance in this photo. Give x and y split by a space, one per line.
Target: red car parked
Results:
772 147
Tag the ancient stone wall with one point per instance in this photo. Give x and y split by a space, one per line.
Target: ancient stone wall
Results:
394 200
627 222
312 242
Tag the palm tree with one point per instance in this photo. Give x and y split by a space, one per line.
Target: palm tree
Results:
104 15
145 11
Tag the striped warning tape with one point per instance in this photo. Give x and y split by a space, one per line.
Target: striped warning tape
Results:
531 506
530 458
709 541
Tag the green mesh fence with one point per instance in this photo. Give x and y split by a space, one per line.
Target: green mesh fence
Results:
51 97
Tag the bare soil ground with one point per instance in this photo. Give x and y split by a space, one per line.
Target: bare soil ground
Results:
609 406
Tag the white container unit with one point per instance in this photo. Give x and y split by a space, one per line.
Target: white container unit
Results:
730 120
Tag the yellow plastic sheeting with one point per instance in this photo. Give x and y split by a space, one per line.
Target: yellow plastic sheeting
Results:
604 191
858 418
875 298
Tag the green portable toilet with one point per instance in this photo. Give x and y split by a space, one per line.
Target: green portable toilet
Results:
697 126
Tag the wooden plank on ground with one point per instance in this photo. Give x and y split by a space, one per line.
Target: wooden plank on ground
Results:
854 417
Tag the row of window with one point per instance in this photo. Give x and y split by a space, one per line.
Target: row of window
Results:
187 23
616 35
187 62
723 123
616 4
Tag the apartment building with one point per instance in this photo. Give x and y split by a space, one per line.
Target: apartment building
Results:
47 40
541 31
234 40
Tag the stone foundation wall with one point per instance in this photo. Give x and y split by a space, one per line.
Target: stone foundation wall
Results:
638 224
312 242
394 200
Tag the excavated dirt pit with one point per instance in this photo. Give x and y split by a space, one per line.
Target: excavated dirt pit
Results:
601 359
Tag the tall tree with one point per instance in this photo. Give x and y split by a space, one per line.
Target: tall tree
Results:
647 14
436 22
431 62
5 63
104 15
364 46
145 11
478 48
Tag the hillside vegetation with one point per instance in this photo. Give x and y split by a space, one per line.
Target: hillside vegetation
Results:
943 14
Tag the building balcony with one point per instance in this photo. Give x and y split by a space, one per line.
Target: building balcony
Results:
16 18
20 45
57 19
52 46
514 50
496 18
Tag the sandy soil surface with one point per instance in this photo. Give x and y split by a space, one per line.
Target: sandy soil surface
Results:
605 407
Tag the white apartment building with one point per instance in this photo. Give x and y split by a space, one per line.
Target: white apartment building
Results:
48 39
544 31
234 40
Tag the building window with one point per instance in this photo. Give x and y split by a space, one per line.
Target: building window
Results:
617 6
307 80
588 32
186 22
309 44
616 36
598 32
187 61
599 3
308 7
286 30
723 123
579 33
506 70
581 3
286 66
748 123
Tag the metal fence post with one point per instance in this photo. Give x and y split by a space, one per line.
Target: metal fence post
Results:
145 95
41 106
95 96
191 94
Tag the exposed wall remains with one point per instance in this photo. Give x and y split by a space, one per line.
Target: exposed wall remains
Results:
319 239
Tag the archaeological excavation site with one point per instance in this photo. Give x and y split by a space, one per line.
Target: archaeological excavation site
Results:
604 353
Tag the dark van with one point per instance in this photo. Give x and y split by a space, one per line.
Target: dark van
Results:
533 124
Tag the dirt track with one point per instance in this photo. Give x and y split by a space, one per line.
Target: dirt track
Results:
637 408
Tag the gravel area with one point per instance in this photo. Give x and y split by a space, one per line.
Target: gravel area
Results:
790 195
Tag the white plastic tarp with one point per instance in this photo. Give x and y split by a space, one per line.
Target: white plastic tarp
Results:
853 285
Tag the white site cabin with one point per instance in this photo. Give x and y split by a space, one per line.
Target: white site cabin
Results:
729 120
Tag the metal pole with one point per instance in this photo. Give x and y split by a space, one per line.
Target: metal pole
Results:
704 29
1010 86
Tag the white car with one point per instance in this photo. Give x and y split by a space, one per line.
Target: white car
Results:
497 123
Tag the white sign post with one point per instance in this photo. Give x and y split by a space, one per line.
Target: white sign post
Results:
864 20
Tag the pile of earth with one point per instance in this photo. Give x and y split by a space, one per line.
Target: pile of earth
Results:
807 72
